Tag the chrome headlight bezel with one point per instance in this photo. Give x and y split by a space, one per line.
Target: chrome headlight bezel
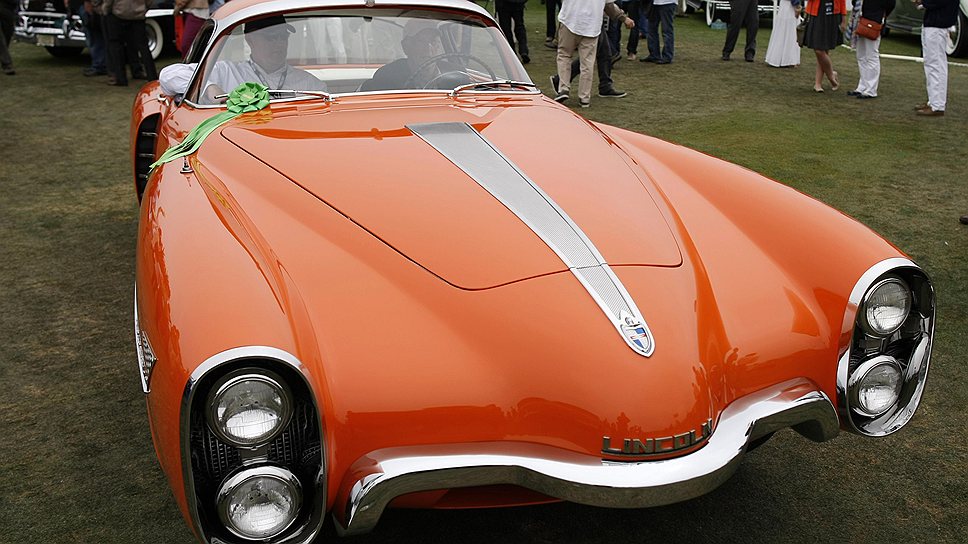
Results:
865 310
855 384
222 388
244 477
207 461
910 345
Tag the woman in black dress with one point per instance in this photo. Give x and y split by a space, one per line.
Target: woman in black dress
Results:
825 30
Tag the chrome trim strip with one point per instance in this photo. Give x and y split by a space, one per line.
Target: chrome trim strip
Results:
142 348
277 6
433 94
462 145
467 149
306 533
917 366
379 477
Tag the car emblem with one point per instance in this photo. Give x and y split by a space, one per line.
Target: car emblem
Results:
636 333
659 445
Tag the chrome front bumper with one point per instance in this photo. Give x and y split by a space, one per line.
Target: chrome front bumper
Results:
49 29
383 475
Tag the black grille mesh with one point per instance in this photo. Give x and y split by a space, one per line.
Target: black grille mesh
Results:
214 459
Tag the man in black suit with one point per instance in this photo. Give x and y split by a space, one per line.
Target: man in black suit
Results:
742 12
8 18
510 15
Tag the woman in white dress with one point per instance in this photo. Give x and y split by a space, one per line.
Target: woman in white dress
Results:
784 49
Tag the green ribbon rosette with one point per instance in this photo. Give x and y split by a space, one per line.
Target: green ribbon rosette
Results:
245 98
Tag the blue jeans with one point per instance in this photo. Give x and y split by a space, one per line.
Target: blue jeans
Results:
664 15
95 41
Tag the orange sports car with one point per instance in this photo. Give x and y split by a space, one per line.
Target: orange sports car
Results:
388 272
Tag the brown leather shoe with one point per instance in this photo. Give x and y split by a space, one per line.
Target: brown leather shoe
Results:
928 112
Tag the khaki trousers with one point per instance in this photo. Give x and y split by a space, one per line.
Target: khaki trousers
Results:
587 46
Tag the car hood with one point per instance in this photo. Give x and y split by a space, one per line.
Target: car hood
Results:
366 163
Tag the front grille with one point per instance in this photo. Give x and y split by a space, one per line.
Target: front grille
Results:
220 458
301 432
216 459
297 448
47 19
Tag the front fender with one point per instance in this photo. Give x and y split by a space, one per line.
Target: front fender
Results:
205 285
781 264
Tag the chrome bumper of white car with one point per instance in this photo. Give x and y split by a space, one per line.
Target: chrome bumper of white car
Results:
49 29
383 475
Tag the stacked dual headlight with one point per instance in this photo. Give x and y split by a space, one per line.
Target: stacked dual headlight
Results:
881 376
875 386
248 409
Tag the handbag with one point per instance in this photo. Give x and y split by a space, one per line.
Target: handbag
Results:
869 29
802 29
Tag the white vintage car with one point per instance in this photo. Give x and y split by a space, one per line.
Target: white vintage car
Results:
47 24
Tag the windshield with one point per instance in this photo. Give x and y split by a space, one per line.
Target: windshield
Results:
369 50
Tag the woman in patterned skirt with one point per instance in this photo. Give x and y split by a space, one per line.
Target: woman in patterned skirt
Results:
825 31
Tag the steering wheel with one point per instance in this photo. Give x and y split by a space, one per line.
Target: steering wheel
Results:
452 73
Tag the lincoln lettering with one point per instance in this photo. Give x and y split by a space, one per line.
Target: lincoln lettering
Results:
658 446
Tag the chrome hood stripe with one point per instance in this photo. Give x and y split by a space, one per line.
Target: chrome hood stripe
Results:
478 158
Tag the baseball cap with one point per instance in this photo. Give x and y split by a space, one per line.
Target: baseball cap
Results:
266 22
416 26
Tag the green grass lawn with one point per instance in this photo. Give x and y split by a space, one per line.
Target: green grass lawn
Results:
75 452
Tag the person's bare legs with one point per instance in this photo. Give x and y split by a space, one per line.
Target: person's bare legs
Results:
818 77
825 67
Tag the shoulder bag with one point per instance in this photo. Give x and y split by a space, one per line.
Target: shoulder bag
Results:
869 29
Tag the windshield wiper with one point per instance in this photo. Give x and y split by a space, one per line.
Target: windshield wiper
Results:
321 94
485 85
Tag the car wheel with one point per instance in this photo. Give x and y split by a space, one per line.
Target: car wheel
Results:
64 52
958 45
156 38
712 13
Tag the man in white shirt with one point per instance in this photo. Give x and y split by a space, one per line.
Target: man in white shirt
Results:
268 41
580 23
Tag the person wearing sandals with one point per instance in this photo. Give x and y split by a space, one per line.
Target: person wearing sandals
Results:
826 24
868 54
